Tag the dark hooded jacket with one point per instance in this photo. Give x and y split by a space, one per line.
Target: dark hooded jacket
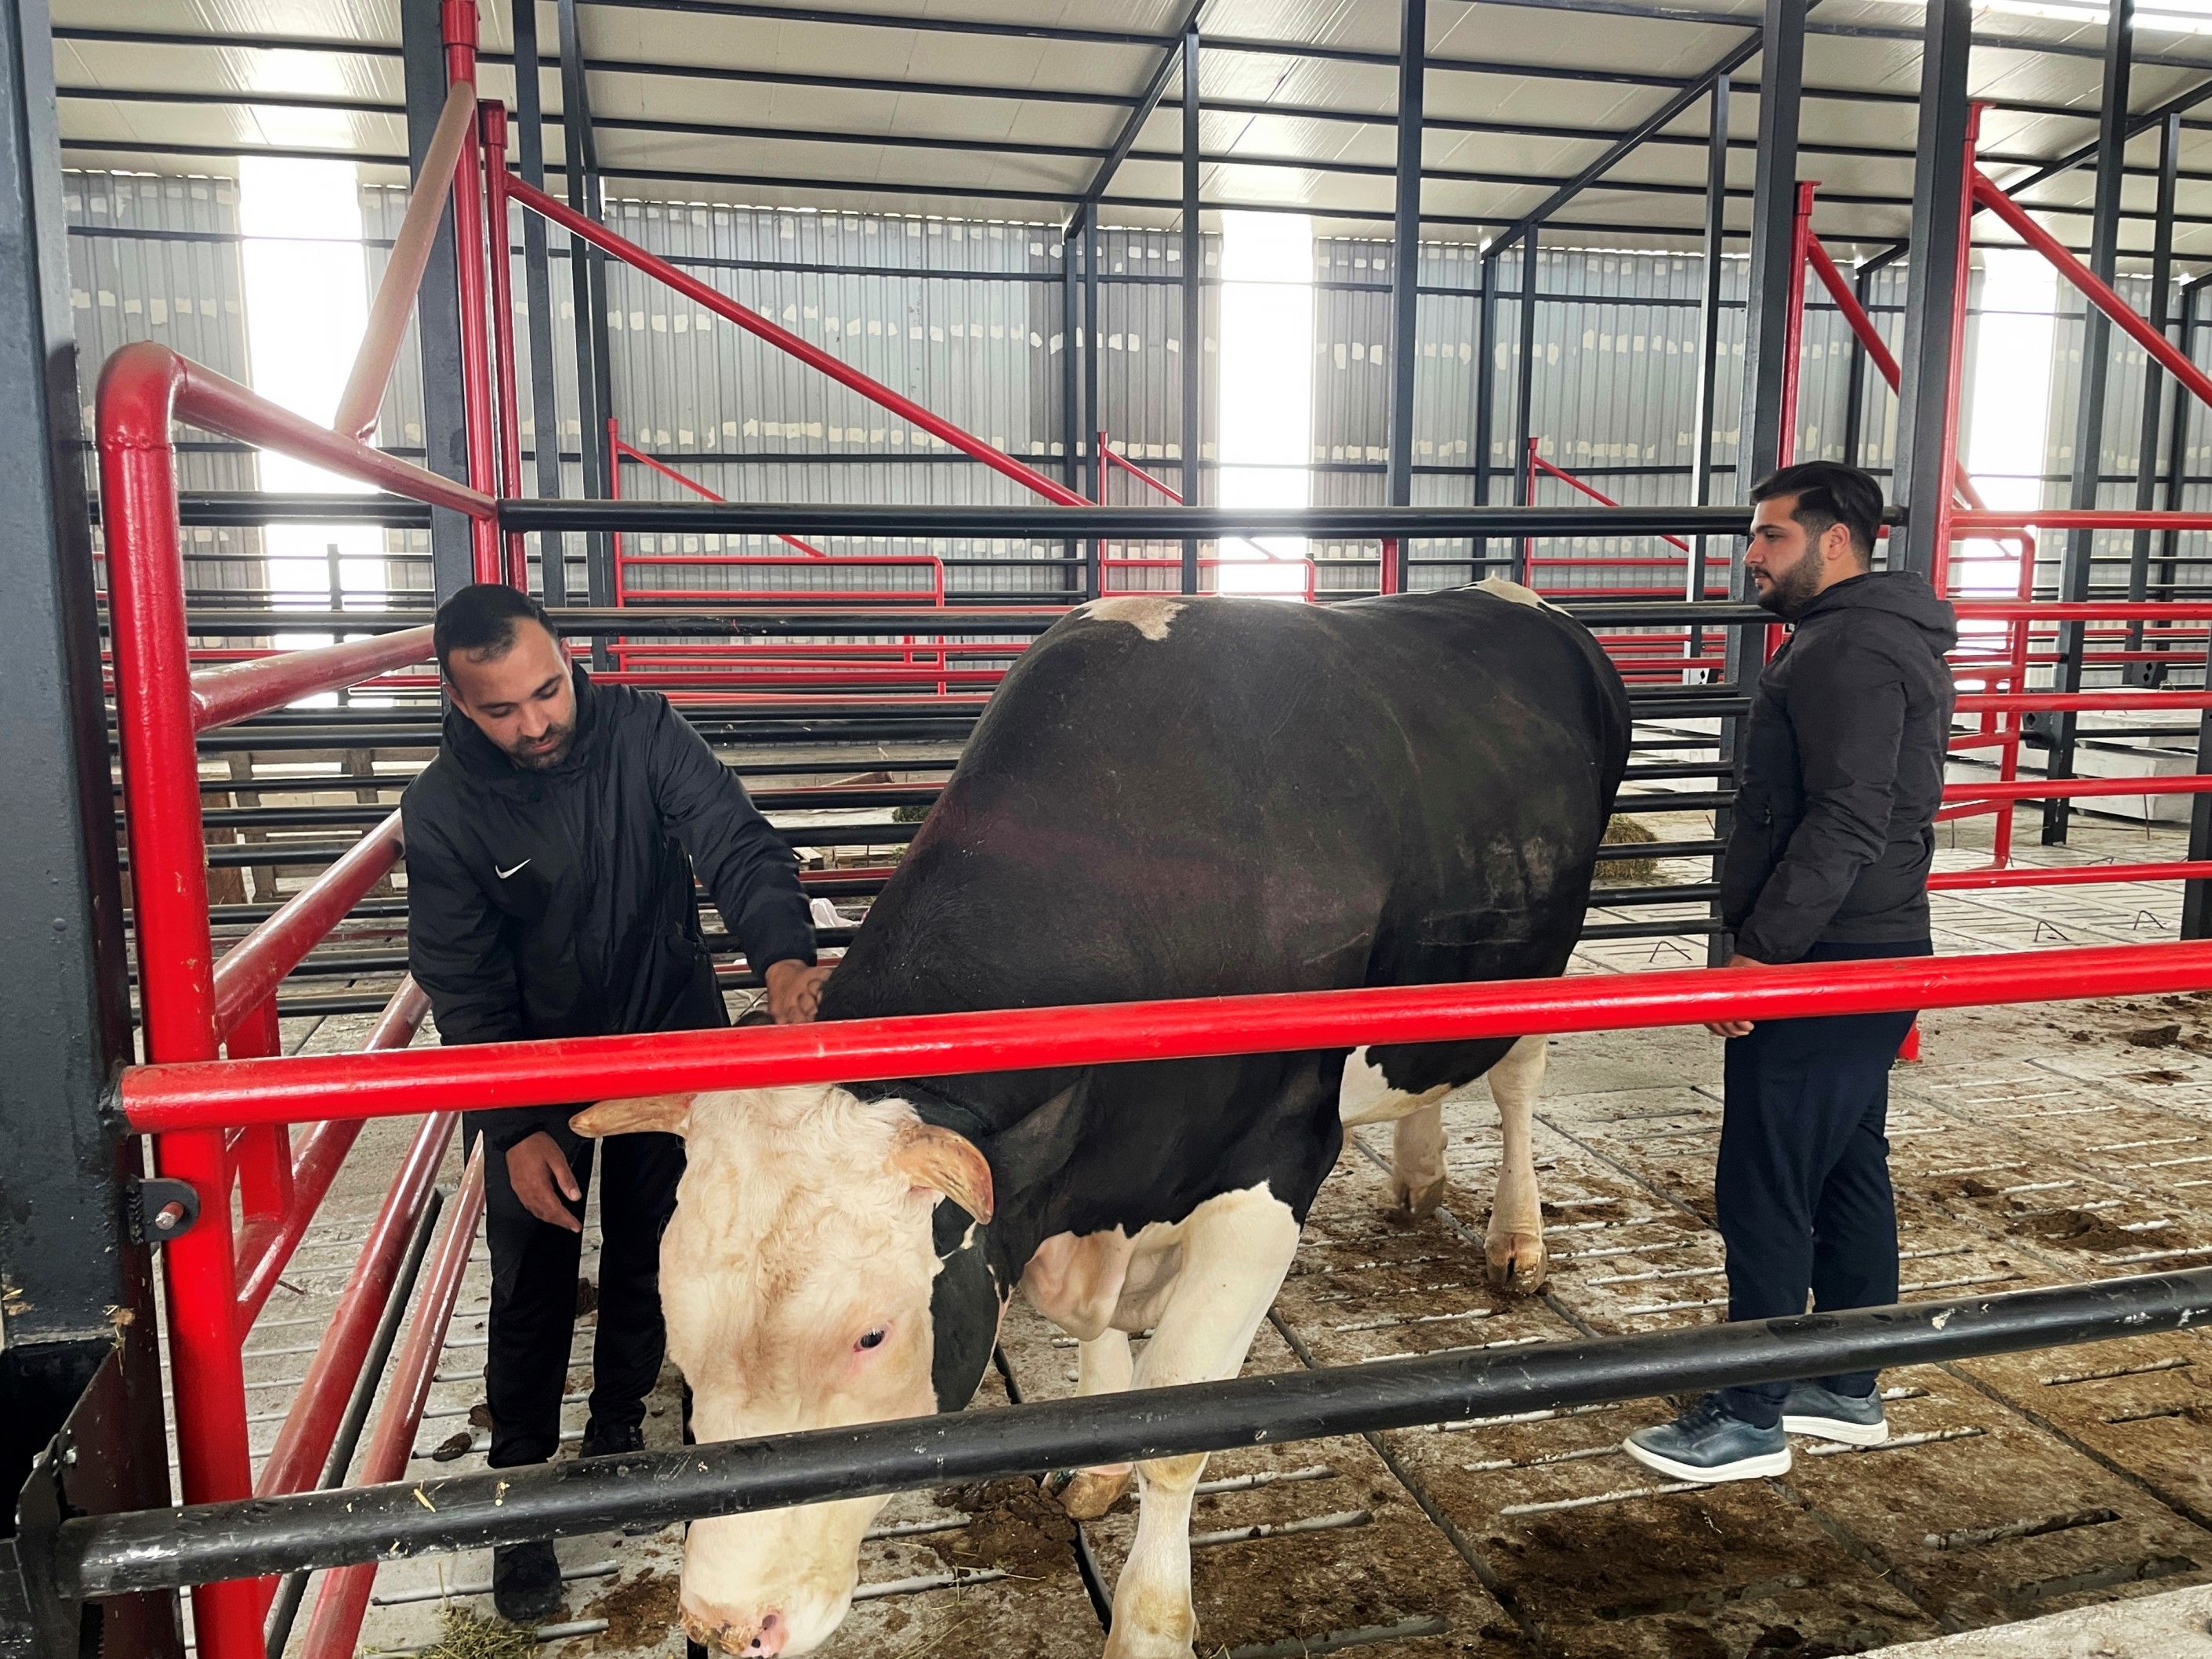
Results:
561 903
1841 772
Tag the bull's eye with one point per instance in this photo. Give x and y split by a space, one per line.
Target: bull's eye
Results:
873 1339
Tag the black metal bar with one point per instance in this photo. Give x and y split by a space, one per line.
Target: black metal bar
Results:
437 303
2176 458
1155 523
2089 416
1524 392
1855 390
1405 273
1774 205
1486 392
105 1555
1140 107
1089 364
1709 336
1939 182
2154 397
537 294
1193 324
587 278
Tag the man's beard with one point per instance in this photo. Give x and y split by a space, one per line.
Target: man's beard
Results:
540 757
1789 593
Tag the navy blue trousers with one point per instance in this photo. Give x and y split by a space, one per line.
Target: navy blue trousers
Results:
1802 1192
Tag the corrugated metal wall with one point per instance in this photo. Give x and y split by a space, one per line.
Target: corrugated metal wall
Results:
967 319
156 259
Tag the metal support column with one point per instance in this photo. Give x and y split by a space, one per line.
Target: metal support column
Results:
2155 387
2074 570
1071 406
1095 479
538 296
78 1290
1194 312
1855 386
2196 896
1928 399
1774 200
1486 396
1524 389
1709 336
437 303
587 277
1406 278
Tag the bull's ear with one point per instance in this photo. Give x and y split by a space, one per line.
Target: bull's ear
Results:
667 1114
937 1159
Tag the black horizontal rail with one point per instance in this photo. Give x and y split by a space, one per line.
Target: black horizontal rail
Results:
1119 523
105 1555
973 614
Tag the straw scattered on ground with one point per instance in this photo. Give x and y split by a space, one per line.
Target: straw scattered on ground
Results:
469 1635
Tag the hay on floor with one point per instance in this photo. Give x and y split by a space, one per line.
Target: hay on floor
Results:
1624 831
469 1635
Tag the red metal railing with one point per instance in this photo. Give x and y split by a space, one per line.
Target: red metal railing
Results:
167 1098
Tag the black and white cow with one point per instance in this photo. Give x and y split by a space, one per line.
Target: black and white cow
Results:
1166 798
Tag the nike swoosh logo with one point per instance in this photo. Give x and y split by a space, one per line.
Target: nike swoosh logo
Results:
504 875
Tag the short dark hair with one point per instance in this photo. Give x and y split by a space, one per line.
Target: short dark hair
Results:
480 619
1829 492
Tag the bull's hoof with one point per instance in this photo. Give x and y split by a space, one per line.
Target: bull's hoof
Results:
1094 1491
1413 1204
1519 1263
1124 1641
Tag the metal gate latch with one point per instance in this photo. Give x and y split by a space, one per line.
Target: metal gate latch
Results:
159 1209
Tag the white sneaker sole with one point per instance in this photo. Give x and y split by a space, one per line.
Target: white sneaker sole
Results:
1744 1469
1837 1429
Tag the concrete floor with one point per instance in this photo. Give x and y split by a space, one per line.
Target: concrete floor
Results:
2032 1146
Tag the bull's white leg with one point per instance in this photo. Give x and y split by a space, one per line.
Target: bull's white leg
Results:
1417 1163
1515 1241
1101 1367
1236 1248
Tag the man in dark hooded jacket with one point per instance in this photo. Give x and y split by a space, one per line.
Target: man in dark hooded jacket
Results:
550 852
1839 780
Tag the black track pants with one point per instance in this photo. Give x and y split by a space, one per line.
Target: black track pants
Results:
1803 1191
534 1292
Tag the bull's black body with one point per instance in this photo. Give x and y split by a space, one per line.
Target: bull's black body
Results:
1271 797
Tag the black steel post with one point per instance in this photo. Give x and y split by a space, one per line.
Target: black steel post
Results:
2186 411
1524 389
537 294
1485 395
587 278
1095 480
1773 211
438 303
2074 567
1939 178
2154 397
1405 271
1855 387
1071 406
1193 315
77 1285
1709 332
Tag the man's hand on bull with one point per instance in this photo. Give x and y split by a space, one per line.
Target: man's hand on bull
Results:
794 990
1735 1028
538 1171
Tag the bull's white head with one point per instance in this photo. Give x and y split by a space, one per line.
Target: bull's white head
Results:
795 1280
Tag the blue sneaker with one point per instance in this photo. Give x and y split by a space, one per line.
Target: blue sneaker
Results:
1827 1415
1710 1444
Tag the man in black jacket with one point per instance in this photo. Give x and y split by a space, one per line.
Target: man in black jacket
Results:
550 847
1839 781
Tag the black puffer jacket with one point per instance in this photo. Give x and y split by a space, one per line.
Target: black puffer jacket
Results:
560 903
1841 772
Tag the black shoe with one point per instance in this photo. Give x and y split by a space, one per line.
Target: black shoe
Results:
1708 1443
526 1583
615 1437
